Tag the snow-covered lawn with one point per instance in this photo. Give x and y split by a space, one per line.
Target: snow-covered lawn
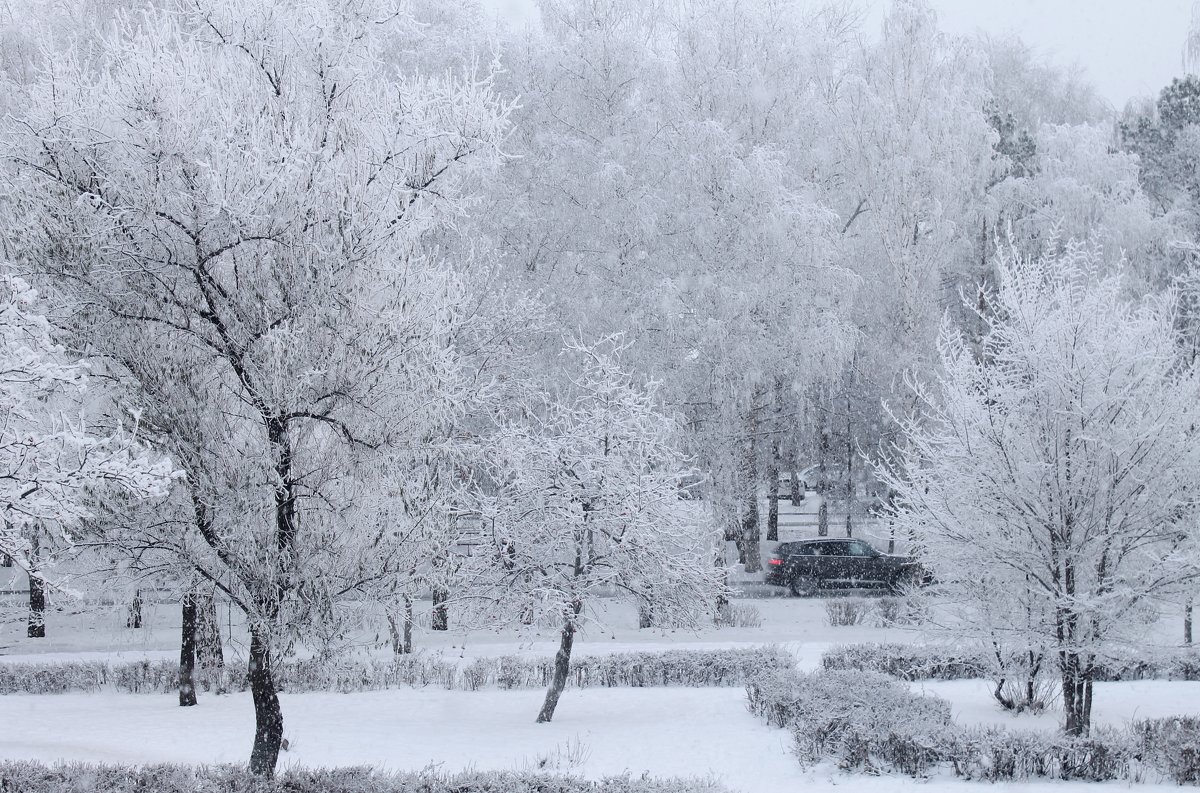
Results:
596 732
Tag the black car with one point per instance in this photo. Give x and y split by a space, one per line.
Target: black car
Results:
807 566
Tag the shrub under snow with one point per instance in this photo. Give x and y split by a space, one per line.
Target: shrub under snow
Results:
729 667
29 777
934 662
863 720
868 721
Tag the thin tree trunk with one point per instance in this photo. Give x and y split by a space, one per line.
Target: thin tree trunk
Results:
773 493
209 652
441 615
402 634
36 628
1187 623
268 717
134 619
823 519
723 614
187 653
850 490
562 664
408 624
751 533
645 615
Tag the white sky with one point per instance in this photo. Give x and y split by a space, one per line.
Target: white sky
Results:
1128 48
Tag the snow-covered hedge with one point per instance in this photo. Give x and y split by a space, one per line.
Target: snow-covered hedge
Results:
905 661
1171 745
932 662
863 720
995 754
29 777
727 667
871 722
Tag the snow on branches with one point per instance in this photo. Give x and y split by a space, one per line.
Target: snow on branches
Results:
52 463
581 495
1052 475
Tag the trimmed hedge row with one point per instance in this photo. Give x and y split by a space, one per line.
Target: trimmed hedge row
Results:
862 720
730 667
931 662
871 722
29 777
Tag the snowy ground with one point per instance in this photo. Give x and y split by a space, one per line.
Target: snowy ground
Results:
596 732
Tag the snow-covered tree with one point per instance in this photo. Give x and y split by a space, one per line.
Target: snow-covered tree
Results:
232 212
1053 478
580 492
55 465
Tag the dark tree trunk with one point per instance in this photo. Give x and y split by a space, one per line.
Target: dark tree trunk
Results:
1187 623
134 619
268 717
773 493
562 664
850 490
187 653
408 623
402 634
751 533
209 653
36 628
797 493
1077 699
441 615
645 615
823 519
723 613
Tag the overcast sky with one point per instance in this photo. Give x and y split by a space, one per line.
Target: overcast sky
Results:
1128 47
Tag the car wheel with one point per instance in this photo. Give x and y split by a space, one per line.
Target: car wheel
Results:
803 586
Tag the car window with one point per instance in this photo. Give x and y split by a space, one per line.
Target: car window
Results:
833 549
805 550
861 549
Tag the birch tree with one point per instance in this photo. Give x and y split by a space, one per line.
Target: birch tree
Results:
1057 472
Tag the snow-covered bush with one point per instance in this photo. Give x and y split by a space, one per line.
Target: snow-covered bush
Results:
730 667
866 721
29 777
1172 746
998 754
863 720
846 611
740 615
887 612
905 661
939 662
